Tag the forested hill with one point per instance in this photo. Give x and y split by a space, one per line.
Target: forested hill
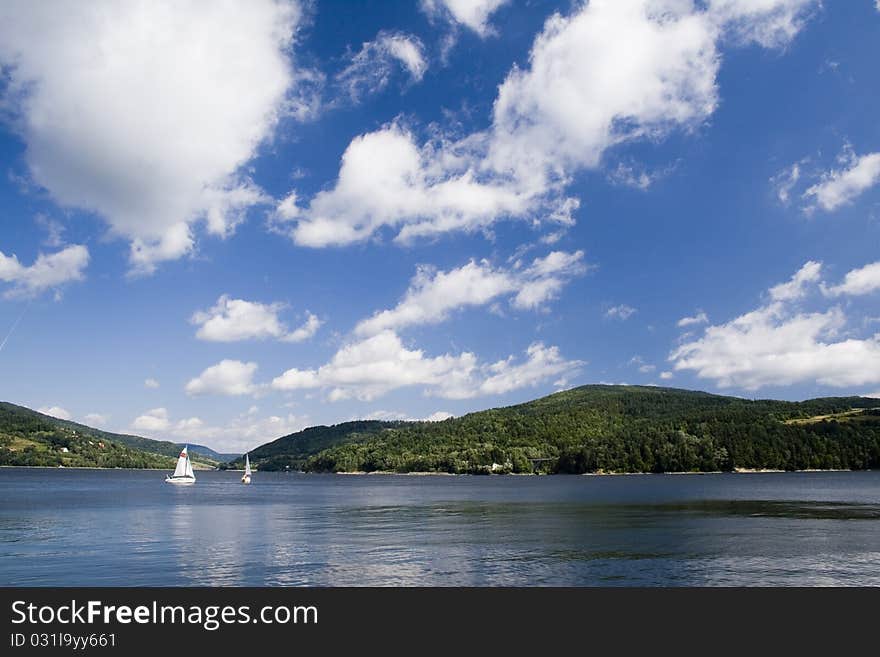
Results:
290 452
28 437
603 429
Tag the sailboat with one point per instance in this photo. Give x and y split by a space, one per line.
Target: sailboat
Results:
246 477
183 473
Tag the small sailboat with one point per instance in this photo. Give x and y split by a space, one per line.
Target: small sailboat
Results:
183 473
246 477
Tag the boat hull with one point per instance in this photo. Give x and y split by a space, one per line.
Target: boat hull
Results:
246 479
180 481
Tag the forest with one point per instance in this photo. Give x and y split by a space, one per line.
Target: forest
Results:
601 429
33 439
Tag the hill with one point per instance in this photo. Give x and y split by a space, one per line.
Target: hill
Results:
600 428
290 452
28 437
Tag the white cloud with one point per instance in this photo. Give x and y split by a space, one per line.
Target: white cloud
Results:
151 383
54 230
609 73
385 179
644 368
228 377
784 181
780 344
146 112
433 294
542 363
666 375
47 271
769 23
545 277
230 320
473 14
242 433
96 420
371 367
152 421
840 187
636 177
306 330
437 416
699 318
857 282
372 67
56 411
621 312
796 287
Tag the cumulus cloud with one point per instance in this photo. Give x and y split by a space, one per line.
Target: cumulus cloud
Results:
797 286
243 432
230 320
473 14
779 343
666 375
369 368
48 271
386 179
96 420
151 383
56 411
541 363
699 318
152 421
608 73
306 330
228 377
621 312
840 187
147 112
433 294
856 282
372 68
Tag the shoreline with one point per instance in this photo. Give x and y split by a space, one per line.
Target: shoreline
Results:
361 473
93 467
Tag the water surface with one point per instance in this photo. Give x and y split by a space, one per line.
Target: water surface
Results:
116 527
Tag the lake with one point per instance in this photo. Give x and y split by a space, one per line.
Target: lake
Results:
115 527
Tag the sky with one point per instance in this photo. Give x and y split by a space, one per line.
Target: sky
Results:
224 222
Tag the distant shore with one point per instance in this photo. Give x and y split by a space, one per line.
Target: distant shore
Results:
93 467
358 473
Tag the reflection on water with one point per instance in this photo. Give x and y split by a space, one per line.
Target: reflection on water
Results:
77 527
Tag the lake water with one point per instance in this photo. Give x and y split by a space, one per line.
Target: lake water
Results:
115 527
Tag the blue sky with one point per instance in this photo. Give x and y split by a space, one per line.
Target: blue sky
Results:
224 223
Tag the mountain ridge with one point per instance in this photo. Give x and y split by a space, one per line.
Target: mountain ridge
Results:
599 428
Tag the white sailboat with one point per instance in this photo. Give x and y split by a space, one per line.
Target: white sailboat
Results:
183 473
246 477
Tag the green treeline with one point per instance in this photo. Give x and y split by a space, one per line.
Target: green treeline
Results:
619 429
32 439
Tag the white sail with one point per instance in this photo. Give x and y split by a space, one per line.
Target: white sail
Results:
183 466
183 473
247 465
